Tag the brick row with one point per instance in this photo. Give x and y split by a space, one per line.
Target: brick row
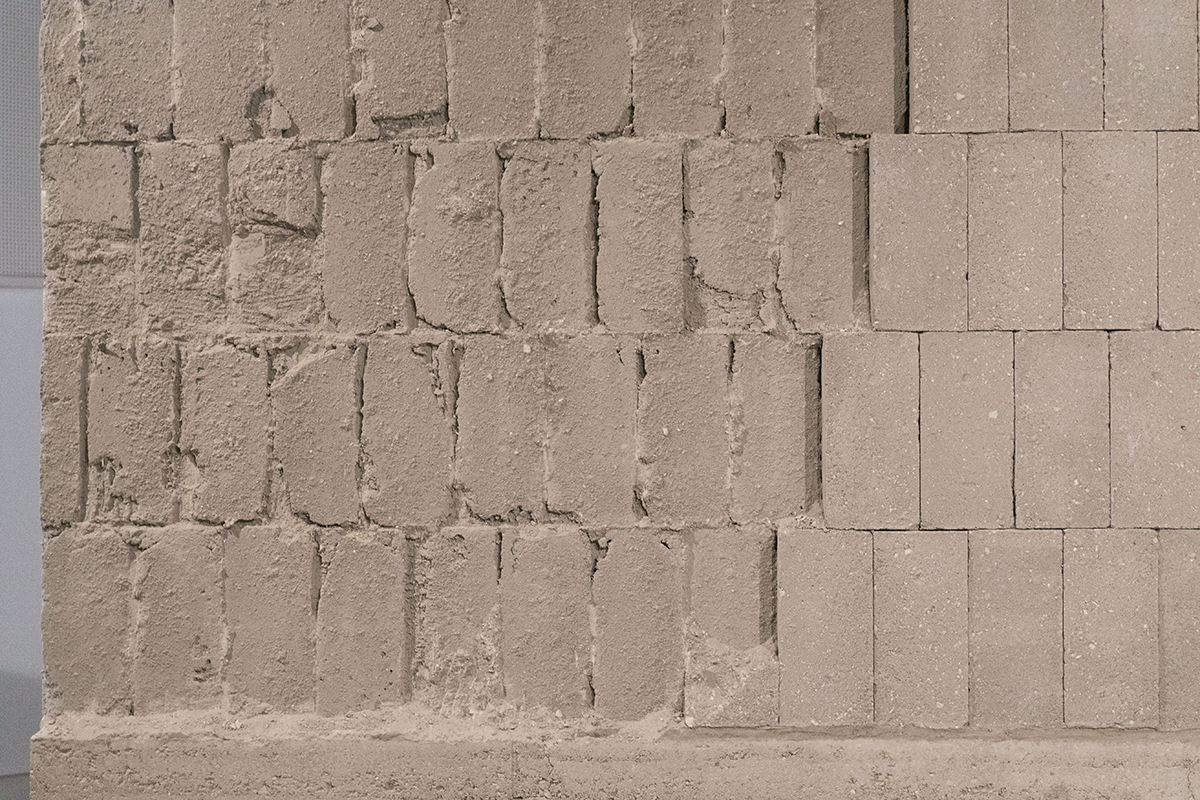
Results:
634 235
1028 65
1034 231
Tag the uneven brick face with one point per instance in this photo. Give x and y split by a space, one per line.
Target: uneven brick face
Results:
274 279
403 50
60 39
273 183
587 69
90 279
310 67
769 81
861 65
221 37
64 466
1179 631
958 62
1150 68
89 184
491 68
675 67
1056 64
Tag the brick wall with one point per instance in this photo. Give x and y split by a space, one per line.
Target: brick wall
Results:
562 366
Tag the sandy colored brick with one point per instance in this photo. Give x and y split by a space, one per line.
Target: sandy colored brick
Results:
921 629
316 434
546 642
637 591
918 272
776 428
363 659
967 430
179 647
491 68
1155 387
1110 230
454 235
1150 69
86 621
676 67
823 235
861 65
549 253
1015 232
768 86
89 184
1015 624
1179 620
1061 472
226 421
64 468
90 280
366 191
182 256
457 573
1110 628
274 280
958 66
501 397
60 43
408 431
591 459
1178 234
308 43
402 90
131 431
683 446
640 263
125 69
586 88
272 586
219 57
273 183
1056 65
870 451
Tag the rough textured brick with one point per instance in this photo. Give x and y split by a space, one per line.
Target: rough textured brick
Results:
1150 65
90 279
776 428
274 279
273 183
125 69
919 250
131 431
1155 453
1061 476
89 184
1178 234
366 189
272 585
861 65
408 431
549 251
316 437
181 259
1110 626
180 645
870 452
60 43
732 671
501 390
1015 624
492 66
770 72
545 588
640 263
587 69
638 595
1015 254
226 419
729 195
1179 618
683 446
967 430
823 232
64 406
454 237
402 89
363 640
958 65
457 574
921 629
1056 64
308 43
676 66
86 621
825 627
1109 237
219 57
591 459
